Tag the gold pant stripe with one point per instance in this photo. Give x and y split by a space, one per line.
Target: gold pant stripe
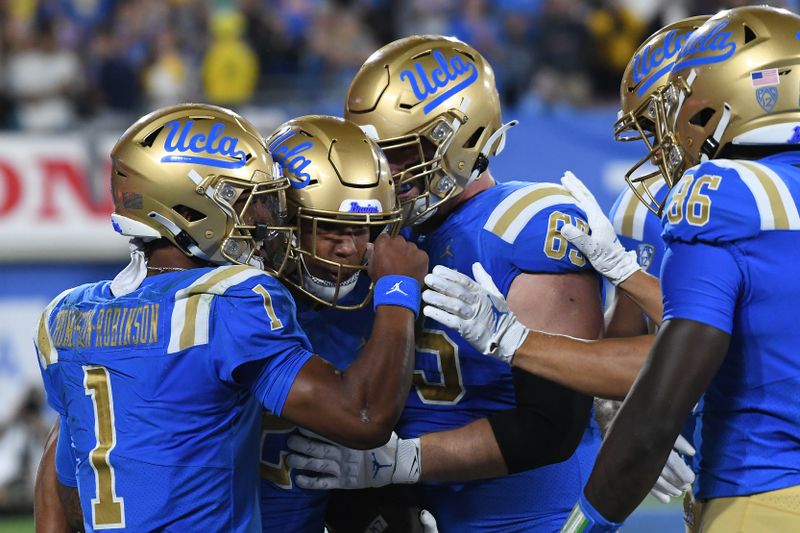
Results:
775 511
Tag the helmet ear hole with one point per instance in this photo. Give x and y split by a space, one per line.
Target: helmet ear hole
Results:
749 34
191 215
702 117
473 139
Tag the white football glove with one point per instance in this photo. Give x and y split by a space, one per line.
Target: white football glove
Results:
475 309
428 522
602 248
339 467
676 477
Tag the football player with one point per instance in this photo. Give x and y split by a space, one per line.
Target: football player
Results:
730 333
432 103
341 198
159 375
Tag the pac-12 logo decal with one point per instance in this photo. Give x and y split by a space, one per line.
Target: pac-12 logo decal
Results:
291 158
181 140
767 97
644 255
425 84
713 46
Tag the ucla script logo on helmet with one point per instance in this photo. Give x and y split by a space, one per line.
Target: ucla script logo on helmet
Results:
713 46
290 159
654 62
181 140
426 84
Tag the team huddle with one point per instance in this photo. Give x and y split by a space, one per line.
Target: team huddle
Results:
348 324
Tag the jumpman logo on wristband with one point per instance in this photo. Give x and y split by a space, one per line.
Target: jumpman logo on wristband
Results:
376 466
396 288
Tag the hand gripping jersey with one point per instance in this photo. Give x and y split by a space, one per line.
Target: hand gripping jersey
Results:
510 228
155 387
339 336
733 248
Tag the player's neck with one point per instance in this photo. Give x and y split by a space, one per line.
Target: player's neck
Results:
170 259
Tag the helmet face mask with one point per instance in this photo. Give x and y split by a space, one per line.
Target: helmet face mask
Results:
736 84
435 94
416 161
647 109
194 174
342 197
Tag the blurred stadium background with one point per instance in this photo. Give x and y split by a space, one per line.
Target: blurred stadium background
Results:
75 73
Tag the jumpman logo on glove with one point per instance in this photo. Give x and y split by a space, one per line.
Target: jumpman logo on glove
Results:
376 466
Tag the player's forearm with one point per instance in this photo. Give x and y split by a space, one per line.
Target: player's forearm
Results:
645 290
463 454
672 380
48 513
376 384
623 481
605 368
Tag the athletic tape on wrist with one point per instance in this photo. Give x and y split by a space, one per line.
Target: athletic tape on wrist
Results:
402 291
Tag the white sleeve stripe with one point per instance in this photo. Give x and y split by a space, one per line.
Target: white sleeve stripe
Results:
512 199
525 216
622 208
788 204
756 189
203 290
512 214
631 217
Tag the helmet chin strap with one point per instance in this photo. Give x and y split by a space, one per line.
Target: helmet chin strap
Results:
711 144
324 289
482 163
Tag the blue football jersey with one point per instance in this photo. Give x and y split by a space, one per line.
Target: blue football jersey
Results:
733 245
338 337
638 228
155 387
511 228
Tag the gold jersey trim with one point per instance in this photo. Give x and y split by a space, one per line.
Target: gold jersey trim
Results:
631 215
511 216
45 347
190 316
776 207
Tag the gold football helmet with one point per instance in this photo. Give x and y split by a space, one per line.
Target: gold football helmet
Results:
642 111
201 177
432 103
342 197
736 83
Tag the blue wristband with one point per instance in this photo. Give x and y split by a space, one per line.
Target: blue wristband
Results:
586 519
402 291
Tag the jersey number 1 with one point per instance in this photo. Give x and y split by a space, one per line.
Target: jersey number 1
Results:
108 510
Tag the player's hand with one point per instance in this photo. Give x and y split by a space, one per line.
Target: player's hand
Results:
397 256
474 308
428 522
339 467
676 477
602 248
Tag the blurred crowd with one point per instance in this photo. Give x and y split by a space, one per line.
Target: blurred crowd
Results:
68 62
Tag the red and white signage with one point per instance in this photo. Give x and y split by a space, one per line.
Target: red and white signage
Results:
55 202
